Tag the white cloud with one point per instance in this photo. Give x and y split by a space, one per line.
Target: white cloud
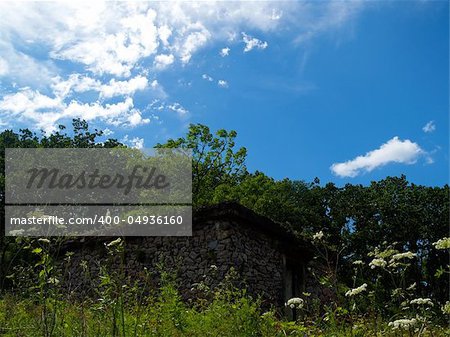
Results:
114 37
163 61
28 105
393 151
78 84
178 108
107 132
252 42
74 83
4 68
136 142
45 112
225 52
164 32
23 69
193 42
429 127
121 113
27 101
109 48
135 119
318 18
222 83
118 88
158 89
207 78
276 14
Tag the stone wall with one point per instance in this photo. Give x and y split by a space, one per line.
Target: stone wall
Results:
208 255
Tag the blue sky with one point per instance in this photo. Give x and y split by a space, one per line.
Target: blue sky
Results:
349 92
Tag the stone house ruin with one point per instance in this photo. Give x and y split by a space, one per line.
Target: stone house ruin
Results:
267 258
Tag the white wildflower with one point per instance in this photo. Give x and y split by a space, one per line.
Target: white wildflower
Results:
16 232
114 243
443 243
407 255
412 286
377 263
422 301
318 236
403 323
393 264
446 308
53 280
396 292
295 303
44 240
358 262
356 291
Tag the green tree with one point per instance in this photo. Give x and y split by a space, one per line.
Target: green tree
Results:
215 161
81 137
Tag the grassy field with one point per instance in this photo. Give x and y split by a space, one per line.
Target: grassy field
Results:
38 304
229 314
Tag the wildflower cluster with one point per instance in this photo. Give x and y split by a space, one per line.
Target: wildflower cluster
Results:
114 243
399 256
356 291
412 286
295 303
318 236
390 258
378 262
422 301
443 243
403 323
446 308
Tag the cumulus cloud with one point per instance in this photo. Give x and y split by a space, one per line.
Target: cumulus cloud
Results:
164 33
46 112
110 48
138 143
120 88
107 132
77 83
3 67
222 83
193 41
116 53
178 108
429 127
207 78
393 151
225 52
163 60
252 43
135 142
114 37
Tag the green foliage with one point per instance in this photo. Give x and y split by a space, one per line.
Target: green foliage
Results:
215 161
123 308
358 222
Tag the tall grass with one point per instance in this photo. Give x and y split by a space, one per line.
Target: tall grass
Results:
118 307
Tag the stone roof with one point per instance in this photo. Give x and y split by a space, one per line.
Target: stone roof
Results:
234 211
289 242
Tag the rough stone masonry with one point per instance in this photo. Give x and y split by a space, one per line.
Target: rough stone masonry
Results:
269 260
